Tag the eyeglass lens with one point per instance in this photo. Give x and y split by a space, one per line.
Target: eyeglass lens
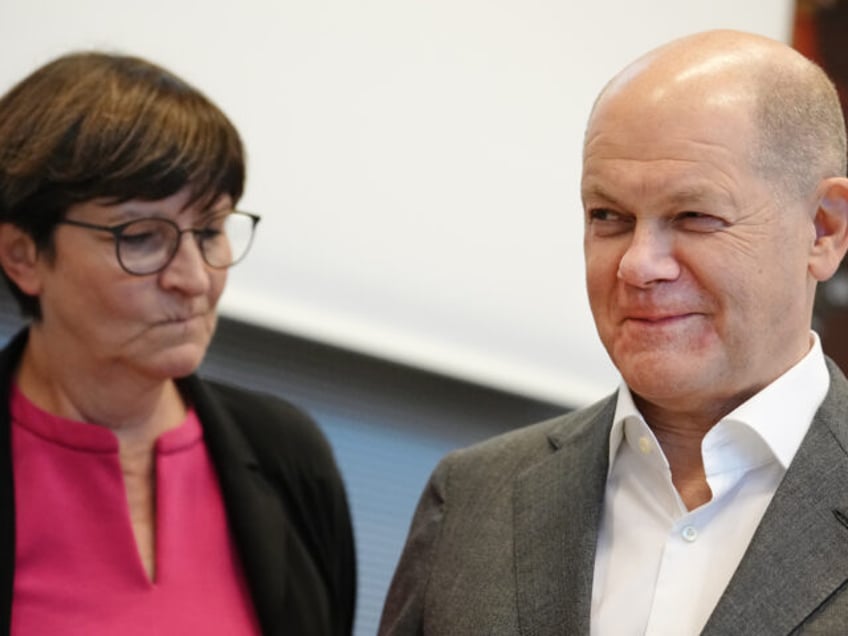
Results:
148 245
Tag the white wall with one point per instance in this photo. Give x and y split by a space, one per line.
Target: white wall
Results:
416 162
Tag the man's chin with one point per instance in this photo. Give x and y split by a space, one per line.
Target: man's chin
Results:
662 376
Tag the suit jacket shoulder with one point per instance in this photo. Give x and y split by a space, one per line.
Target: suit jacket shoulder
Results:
523 447
503 533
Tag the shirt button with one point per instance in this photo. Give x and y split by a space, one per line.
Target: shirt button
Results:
689 533
645 445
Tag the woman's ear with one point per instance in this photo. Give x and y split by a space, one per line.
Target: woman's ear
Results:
831 223
19 257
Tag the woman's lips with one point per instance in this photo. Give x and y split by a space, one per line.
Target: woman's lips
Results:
182 321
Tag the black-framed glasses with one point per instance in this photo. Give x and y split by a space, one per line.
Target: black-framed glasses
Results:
147 246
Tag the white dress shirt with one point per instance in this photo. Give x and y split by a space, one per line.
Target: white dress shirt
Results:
659 568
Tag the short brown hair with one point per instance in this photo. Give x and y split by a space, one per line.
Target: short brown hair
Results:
93 125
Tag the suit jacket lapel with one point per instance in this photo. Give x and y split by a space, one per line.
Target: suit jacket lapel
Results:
799 554
259 526
557 506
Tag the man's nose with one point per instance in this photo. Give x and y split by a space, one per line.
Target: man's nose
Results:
649 258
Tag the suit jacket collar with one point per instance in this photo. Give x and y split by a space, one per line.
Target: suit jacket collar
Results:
558 504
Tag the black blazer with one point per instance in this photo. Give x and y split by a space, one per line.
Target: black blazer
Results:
285 501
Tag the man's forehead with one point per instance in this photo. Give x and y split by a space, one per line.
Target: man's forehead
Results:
721 127
657 117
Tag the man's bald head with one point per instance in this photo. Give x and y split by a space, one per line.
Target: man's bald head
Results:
798 130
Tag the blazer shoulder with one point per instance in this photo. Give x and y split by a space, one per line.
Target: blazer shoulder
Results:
277 430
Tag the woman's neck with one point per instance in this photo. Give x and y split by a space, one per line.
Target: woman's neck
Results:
136 409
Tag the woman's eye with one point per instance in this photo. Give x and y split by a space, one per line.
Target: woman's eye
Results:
137 238
207 233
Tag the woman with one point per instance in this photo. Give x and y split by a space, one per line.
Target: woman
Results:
136 498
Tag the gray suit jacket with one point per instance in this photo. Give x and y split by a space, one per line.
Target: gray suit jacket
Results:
503 540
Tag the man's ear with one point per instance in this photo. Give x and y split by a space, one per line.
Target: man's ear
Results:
831 222
19 257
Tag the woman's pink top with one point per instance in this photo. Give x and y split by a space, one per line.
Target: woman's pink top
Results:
77 567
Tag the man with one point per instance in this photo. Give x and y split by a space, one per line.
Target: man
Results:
710 493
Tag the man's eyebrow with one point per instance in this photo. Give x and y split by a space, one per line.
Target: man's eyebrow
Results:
685 195
596 191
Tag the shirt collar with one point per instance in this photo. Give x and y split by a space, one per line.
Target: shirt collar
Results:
779 414
782 412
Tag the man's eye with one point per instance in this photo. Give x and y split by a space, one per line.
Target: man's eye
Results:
606 222
603 214
699 222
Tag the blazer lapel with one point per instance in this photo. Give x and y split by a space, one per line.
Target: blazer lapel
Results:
259 526
9 359
799 554
557 507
